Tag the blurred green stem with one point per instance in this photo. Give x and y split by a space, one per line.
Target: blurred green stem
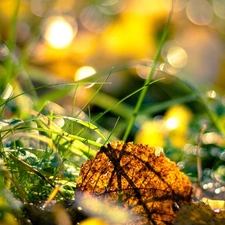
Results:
12 39
148 80
9 64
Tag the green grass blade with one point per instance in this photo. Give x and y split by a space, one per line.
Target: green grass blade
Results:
164 105
148 80
9 64
112 108
204 101
86 124
94 94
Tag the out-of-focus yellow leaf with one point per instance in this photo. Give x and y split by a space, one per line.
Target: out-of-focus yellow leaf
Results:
7 8
151 133
199 214
8 219
61 216
179 116
93 221
214 204
174 126
177 120
134 34
129 37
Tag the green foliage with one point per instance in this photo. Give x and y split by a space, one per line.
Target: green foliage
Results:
38 153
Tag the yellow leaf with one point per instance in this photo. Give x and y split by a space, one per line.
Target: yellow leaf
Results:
199 214
214 204
93 221
8 219
151 133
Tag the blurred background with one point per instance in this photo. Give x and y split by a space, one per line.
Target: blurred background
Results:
46 42
71 39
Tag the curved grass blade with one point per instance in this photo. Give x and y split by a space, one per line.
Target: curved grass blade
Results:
203 100
123 99
74 143
86 124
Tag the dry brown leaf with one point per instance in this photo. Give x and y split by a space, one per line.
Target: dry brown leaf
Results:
133 175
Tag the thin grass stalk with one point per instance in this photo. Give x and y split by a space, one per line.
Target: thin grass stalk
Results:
148 80
122 100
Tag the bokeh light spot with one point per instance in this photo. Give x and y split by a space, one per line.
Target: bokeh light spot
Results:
112 7
7 92
177 7
158 151
143 71
199 12
222 156
92 18
172 123
211 94
60 122
38 7
4 51
221 170
177 57
219 8
84 72
217 191
209 138
59 32
181 165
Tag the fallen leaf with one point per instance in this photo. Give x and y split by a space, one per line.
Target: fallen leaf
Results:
214 204
149 186
60 215
199 214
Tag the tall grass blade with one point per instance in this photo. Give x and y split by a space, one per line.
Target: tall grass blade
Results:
148 80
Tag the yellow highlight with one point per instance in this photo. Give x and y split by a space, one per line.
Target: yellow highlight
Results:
178 117
93 221
172 123
214 204
151 133
59 32
174 127
177 120
84 72
177 57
